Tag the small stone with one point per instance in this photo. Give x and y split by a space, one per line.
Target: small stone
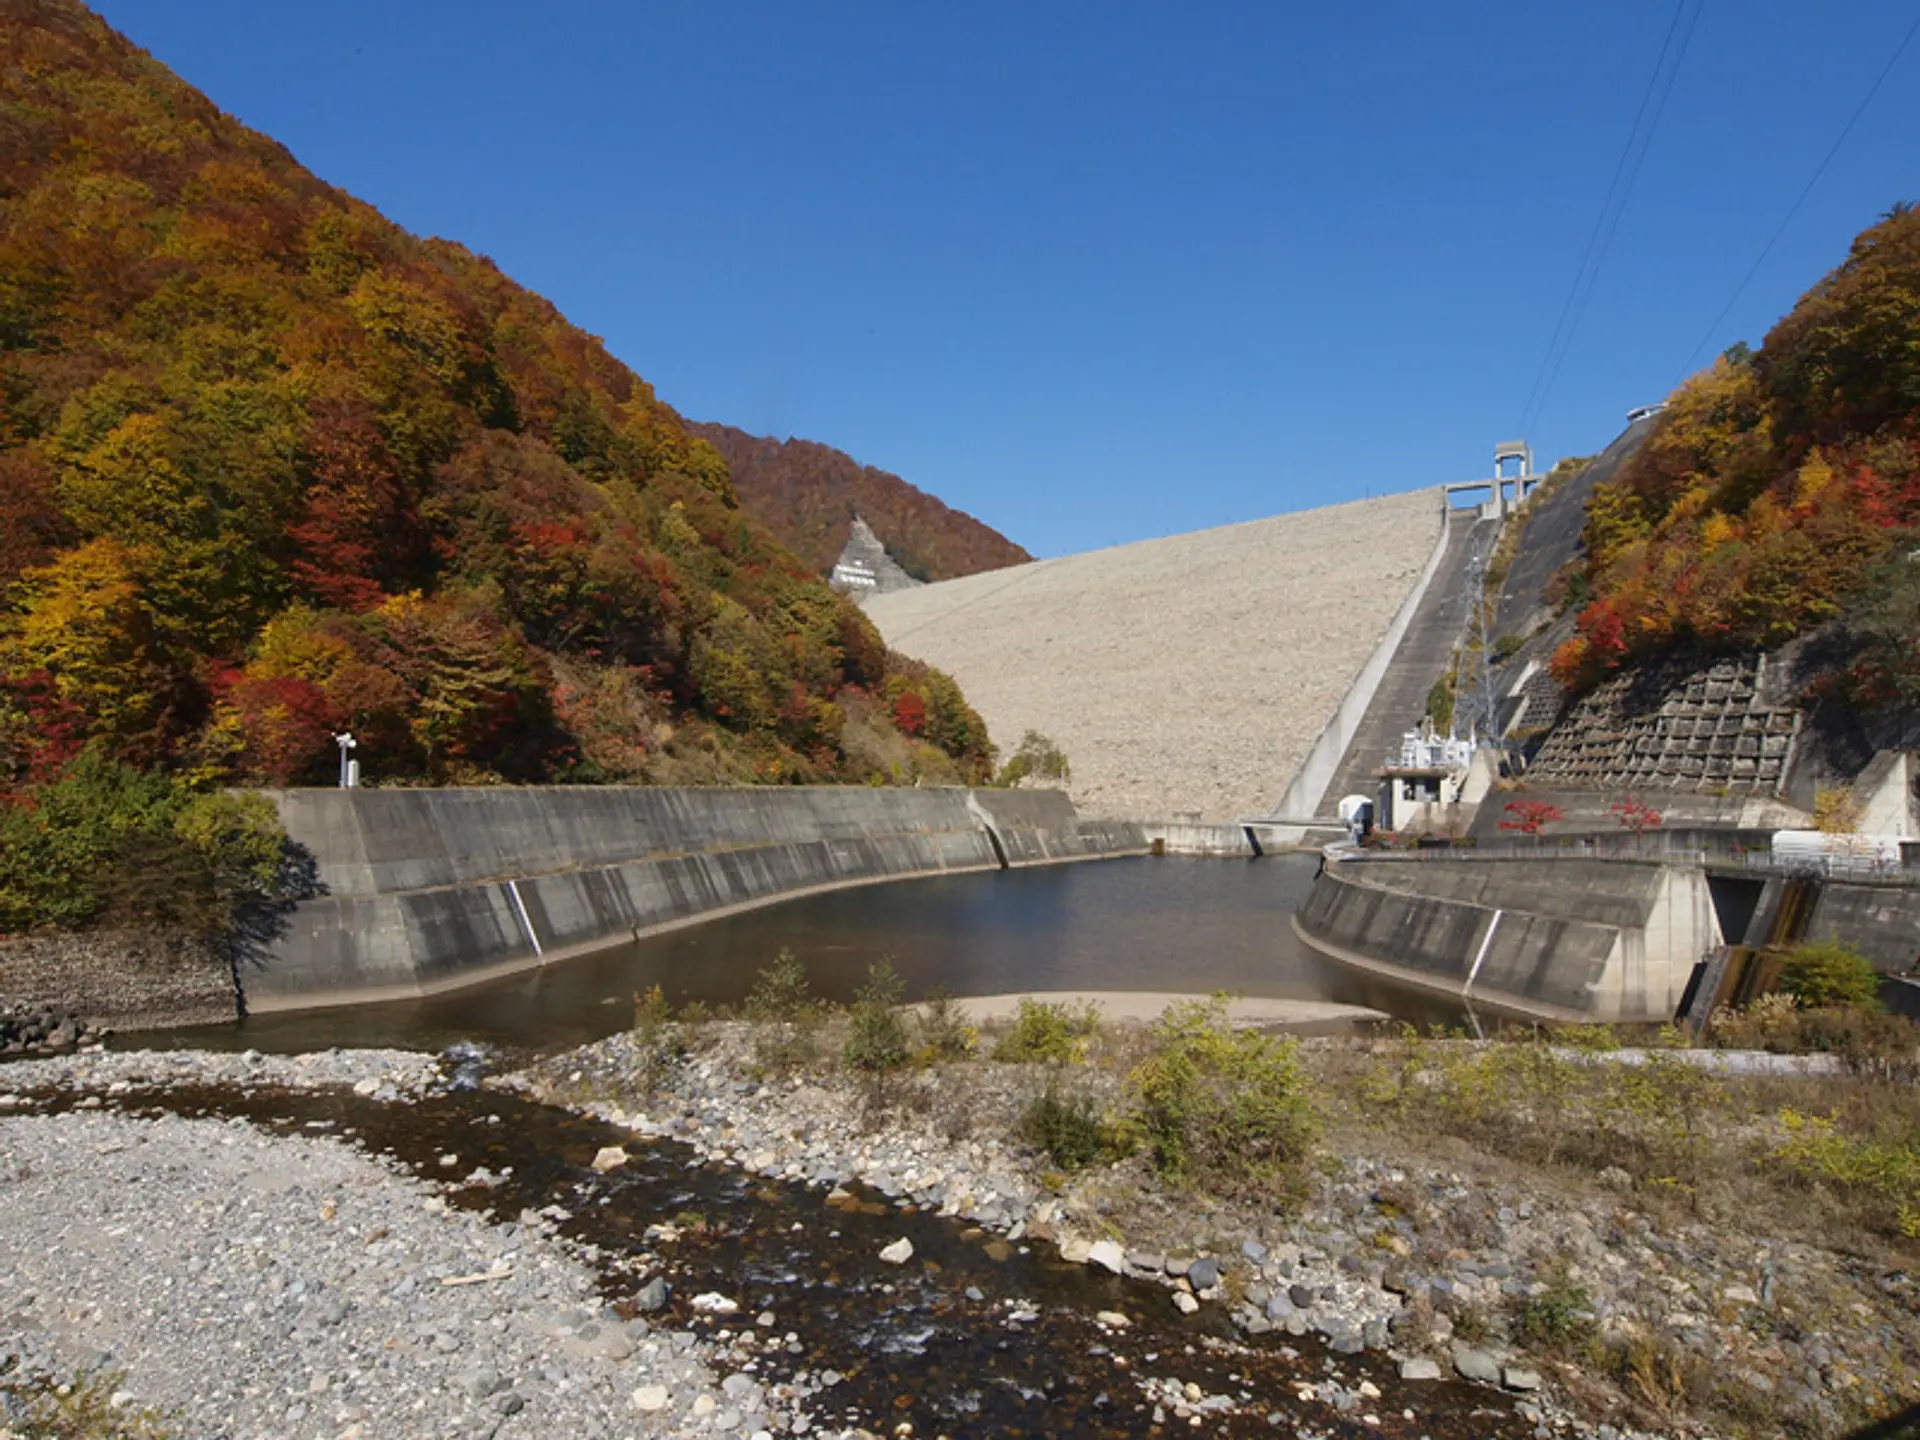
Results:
1302 1296
652 1296
1075 1251
478 1384
899 1252
1113 1319
1204 1273
714 1303
1476 1364
1108 1256
649 1398
1184 1303
1517 1377
704 1407
1419 1367
1739 1295
1253 1250
610 1157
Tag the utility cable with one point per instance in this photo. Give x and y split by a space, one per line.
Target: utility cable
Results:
1606 243
1560 328
1794 209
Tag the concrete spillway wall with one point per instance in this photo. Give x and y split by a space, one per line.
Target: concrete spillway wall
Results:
1598 940
429 890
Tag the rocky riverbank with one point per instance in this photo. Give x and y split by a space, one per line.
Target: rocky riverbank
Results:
238 1283
1603 1309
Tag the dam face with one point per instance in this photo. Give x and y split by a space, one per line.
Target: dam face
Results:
1192 673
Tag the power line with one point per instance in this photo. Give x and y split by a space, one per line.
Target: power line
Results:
1794 209
1606 243
1563 327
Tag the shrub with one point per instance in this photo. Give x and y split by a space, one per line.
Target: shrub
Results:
942 1030
1882 1169
657 1040
1067 1128
876 1035
1828 973
1559 1319
1036 757
1048 1032
1226 1108
781 992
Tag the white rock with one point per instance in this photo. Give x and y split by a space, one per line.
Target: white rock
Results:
1075 1251
1419 1367
1113 1319
714 1303
1739 1295
1108 1256
611 1157
649 1398
1184 1303
703 1407
899 1252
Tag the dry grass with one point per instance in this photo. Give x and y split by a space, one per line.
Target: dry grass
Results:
1832 1159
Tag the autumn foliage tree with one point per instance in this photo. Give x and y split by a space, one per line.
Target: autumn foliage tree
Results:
1774 484
271 467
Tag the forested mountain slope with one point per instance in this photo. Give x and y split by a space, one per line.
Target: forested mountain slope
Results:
806 493
272 467
1779 493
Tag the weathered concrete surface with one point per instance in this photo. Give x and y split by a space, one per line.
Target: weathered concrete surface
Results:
1215 841
1190 674
1882 922
429 890
1601 940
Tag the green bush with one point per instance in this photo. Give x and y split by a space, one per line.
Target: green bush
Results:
1826 973
1230 1109
1036 757
941 1030
1069 1129
105 843
876 1035
781 992
1558 1319
1044 1031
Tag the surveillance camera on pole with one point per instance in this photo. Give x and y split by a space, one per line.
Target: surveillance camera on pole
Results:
349 767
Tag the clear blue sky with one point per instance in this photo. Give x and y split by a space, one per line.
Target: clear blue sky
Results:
1098 272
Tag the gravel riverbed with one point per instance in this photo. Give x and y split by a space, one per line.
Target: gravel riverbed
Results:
1388 1254
247 1284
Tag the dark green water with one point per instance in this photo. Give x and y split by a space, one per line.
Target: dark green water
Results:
1166 925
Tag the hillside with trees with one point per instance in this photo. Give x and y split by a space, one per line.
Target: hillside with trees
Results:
806 493
272 468
1779 494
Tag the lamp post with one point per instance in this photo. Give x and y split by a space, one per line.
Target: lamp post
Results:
347 743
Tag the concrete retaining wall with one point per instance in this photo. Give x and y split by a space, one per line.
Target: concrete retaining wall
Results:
1587 940
1217 842
1882 922
429 890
